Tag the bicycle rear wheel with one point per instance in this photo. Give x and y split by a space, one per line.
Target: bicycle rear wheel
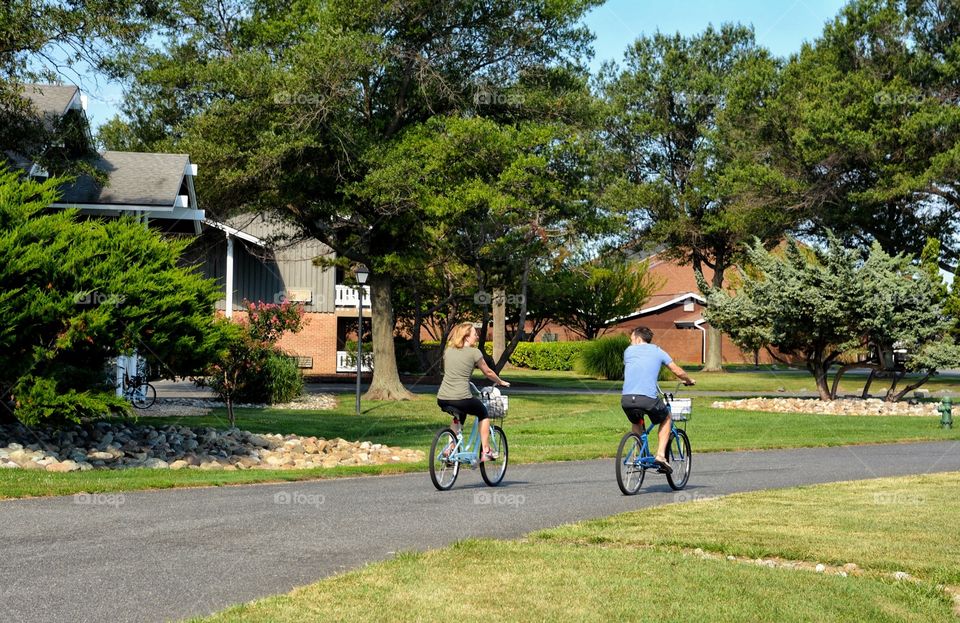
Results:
492 472
443 471
629 472
144 396
679 456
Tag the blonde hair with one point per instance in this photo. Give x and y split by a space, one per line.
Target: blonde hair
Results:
459 335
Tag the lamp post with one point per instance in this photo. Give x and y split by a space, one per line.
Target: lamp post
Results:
361 273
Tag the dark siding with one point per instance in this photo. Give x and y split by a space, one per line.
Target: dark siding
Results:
262 275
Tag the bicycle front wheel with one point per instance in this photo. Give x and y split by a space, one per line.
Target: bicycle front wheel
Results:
144 396
629 471
679 456
443 469
494 471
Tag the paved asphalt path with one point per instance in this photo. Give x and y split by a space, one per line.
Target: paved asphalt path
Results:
167 555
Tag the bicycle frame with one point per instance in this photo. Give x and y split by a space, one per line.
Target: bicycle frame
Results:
646 458
463 452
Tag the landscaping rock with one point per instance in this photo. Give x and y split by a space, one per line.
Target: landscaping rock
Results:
65 466
843 406
105 445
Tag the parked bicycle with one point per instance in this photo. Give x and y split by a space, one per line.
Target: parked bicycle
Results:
634 457
138 390
450 450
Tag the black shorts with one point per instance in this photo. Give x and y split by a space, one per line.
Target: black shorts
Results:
467 406
637 405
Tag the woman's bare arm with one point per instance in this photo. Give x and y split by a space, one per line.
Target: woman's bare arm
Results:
490 374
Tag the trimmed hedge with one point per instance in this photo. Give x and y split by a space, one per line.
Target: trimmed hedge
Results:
544 355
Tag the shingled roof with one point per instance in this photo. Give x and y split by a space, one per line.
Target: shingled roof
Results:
134 178
51 100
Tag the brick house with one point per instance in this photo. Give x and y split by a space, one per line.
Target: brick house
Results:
675 315
256 258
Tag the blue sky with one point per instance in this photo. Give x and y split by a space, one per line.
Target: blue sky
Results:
780 25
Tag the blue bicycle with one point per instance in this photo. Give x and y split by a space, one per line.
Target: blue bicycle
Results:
634 457
450 450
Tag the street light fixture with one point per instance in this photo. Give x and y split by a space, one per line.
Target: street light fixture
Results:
361 273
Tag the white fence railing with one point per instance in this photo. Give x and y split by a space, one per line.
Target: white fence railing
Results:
346 296
346 362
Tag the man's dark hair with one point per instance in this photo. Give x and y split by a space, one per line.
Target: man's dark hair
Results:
644 333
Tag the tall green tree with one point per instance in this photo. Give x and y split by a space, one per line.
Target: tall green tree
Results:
498 198
872 122
593 293
688 124
75 293
286 105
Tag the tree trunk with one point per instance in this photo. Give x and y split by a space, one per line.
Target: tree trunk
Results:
499 322
891 393
839 374
521 320
386 383
820 375
714 358
866 386
910 388
415 334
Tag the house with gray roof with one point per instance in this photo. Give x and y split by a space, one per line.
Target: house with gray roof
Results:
253 258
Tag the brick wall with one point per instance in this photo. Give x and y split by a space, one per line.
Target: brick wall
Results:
318 339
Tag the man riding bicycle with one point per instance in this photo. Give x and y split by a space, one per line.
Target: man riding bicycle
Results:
641 369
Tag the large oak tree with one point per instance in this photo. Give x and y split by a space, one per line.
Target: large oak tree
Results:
285 106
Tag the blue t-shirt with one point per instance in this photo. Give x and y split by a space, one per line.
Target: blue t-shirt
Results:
641 367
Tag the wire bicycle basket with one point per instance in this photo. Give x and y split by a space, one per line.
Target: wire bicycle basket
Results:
495 402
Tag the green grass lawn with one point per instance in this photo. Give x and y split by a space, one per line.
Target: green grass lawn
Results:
539 427
744 380
643 565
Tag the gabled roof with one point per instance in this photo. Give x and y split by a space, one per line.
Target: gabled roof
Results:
134 179
269 232
52 100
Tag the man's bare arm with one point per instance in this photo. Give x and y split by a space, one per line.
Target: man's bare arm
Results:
681 374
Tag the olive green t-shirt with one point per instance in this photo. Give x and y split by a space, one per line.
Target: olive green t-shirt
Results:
458 365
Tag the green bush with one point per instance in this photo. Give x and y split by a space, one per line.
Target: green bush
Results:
75 293
544 355
272 377
603 357
284 379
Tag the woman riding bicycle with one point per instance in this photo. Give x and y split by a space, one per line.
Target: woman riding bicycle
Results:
459 360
